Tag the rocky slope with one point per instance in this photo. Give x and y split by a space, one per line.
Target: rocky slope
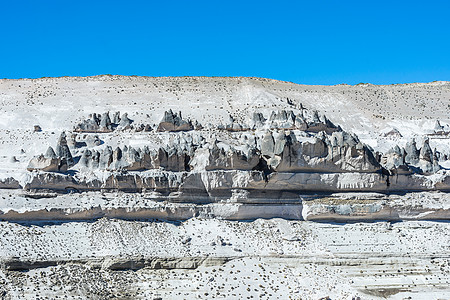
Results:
208 151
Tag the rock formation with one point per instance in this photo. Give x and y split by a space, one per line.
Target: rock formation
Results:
338 152
63 151
103 123
174 122
49 162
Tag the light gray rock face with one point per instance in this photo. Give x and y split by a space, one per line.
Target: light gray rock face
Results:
105 123
50 153
394 161
267 144
219 159
287 119
412 154
102 123
438 127
9 183
233 125
47 164
394 133
219 184
72 141
174 122
173 158
52 161
258 120
63 151
90 159
282 119
428 162
125 122
93 141
409 160
338 152
260 169
116 117
89 125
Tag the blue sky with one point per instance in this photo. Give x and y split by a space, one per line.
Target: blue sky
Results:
309 42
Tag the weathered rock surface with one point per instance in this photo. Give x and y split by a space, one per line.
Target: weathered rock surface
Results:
63 151
174 122
9 183
98 123
338 152
268 159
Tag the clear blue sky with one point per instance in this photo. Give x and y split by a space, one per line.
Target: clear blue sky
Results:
310 42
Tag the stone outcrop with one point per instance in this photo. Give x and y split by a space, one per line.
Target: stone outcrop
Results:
232 159
49 162
125 122
428 161
53 161
233 125
103 123
257 121
394 161
288 150
172 158
410 159
284 119
305 121
174 122
338 152
412 154
9 183
63 151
